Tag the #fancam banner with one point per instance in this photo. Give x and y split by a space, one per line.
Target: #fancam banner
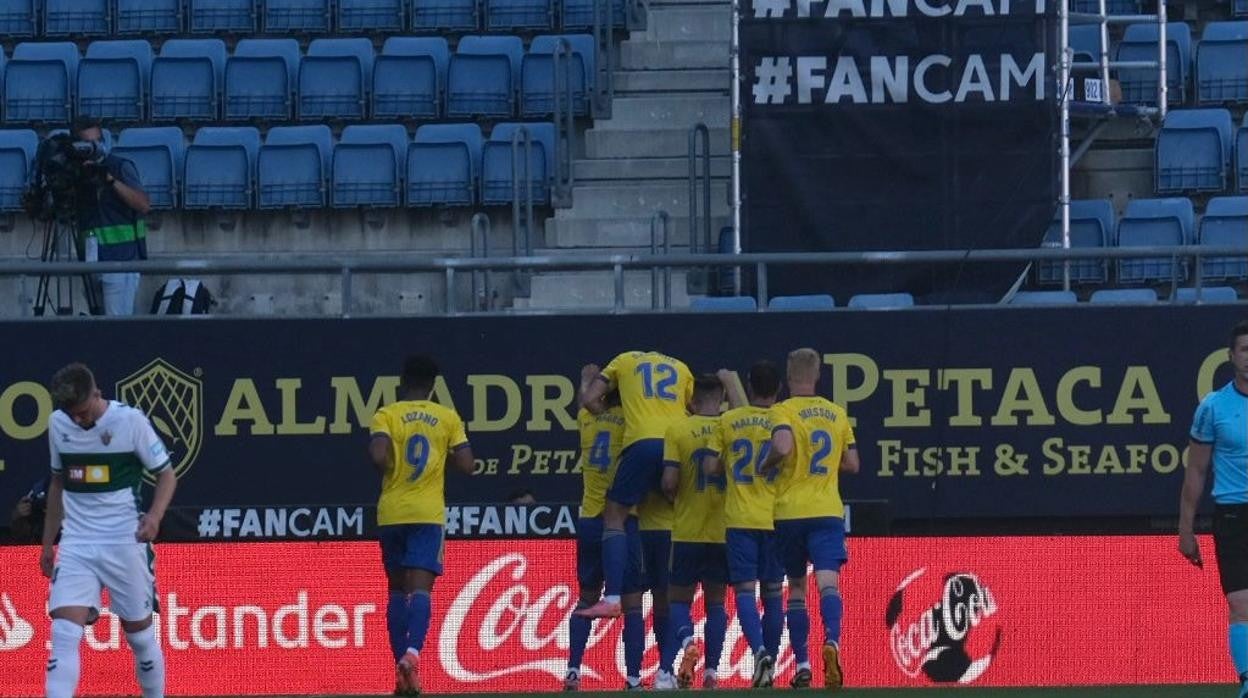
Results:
248 619
958 413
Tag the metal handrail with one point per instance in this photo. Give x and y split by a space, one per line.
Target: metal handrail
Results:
564 111
604 61
660 221
695 182
481 227
521 209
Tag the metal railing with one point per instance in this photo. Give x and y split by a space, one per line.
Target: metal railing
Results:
700 190
660 221
449 267
481 250
522 218
604 61
565 130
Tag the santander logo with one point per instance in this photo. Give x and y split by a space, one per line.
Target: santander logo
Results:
15 631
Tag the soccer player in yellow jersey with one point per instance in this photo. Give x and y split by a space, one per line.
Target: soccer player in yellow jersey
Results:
655 390
698 555
810 517
601 436
741 447
413 440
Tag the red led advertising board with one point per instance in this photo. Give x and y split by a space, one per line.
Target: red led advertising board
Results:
295 618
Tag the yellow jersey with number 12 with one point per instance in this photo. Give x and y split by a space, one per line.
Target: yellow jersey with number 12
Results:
699 508
600 449
422 434
654 390
742 442
809 485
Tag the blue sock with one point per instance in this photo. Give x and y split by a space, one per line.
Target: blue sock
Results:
773 620
1238 635
418 612
578 630
666 640
716 628
634 642
832 608
396 623
682 622
799 630
614 558
751 624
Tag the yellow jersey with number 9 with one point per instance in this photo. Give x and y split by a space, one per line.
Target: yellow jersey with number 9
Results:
600 449
422 434
655 390
809 484
742 442
699 509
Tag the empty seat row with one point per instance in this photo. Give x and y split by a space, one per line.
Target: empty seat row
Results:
1220 61
269 79
23 18
1197 150
302 166
1149 223
1133 296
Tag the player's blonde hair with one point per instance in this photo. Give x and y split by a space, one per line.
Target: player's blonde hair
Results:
72 385
804 365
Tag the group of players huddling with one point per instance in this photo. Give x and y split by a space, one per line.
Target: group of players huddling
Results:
677 494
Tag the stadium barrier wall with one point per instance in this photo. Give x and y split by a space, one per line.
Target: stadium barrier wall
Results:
309 618
959 413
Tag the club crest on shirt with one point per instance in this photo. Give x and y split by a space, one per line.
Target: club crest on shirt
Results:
106 438
173 400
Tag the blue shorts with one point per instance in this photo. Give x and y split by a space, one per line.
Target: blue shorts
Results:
656 550
589 572
640 471
752 556
694 563
819 540
418 546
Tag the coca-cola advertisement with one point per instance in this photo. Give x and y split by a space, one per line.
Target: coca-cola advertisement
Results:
251 618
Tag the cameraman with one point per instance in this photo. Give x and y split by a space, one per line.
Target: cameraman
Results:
110 216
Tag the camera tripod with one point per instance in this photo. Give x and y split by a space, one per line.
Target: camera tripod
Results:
61 243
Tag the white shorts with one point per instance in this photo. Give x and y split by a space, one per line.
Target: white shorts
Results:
127 570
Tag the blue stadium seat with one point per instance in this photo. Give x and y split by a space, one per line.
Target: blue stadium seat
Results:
1225 223
496 163
882 300
513 15
260 79
1241 156
77 18
370 15
1154 222
1193 151
819 301
537 74
1085 41
1044 298
113 79
409 78
1206 294
17 155
1091 225
368 166
39 82
18 18
445 15
444 165
1123 296
149 16
1222 64
186 80
723 304
293 167
1139 43
286 16
159 154
579 14
1239 8
221 168
222 16
482 77
334 79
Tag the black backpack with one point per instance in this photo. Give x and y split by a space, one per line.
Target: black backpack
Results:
183 297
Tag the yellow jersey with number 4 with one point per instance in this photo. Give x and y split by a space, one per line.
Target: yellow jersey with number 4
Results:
600 449
654 391
809 484
699 507
742 442
422 434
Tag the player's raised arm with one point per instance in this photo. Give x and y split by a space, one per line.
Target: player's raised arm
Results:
733 389
589 381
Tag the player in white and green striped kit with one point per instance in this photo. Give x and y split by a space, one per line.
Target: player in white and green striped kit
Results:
99 451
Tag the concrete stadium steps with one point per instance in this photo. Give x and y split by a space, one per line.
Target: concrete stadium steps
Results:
714 80
647 55
658 142
624 231
647 169
636 113
593 290
688 23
